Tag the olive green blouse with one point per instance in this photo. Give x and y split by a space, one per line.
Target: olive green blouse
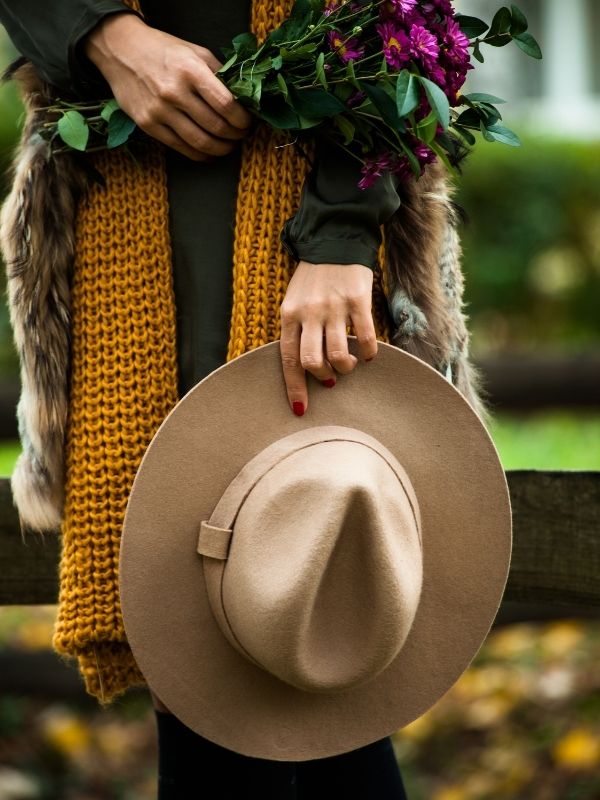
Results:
335 223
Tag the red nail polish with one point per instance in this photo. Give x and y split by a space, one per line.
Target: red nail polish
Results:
298 408
329 382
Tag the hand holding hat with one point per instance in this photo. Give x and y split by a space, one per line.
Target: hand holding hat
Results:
294 588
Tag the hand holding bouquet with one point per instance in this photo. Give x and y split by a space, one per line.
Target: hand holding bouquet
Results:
380 78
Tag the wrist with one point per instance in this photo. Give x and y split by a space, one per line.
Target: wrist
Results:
105 43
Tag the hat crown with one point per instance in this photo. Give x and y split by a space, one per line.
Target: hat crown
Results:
324 569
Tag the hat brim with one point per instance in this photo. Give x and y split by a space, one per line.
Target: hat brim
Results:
220 424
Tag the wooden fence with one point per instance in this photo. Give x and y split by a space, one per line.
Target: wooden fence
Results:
554 572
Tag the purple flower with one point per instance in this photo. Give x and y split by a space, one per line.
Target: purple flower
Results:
396 44
403 6
330 7
454 81
403 169
423 154
374 167
400 12
424 46
432 7
454 43
347 48
355 99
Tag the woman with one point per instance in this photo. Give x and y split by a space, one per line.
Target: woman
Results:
161 70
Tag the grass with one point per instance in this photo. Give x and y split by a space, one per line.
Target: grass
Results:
551 440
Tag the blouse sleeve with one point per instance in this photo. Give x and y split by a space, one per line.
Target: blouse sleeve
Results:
49 34
337 222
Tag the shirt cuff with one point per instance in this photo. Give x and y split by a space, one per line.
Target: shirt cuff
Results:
330 251
86 78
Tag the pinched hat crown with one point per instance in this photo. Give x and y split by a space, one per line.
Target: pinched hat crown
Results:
313 558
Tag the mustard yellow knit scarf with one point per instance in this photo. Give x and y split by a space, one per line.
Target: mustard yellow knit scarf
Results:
124 359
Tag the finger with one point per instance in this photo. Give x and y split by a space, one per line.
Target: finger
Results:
205 117
207 56
166 135
293 373
364 328
197 138
337 347
312 356
217 95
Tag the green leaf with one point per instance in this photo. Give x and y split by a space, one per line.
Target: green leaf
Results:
277 62
427 127
282 85
245 44
485 132
296 25
346 127
519 22
412 159
472 27
308 122
477 52
229 63
315 103
120 127
465 133
320 71
407 93
109 109
242 88
528 45
501 22
441 153
469 118
437 100
481 97
504 135
257 89
351 75
384 104
278 113
73 130
303 53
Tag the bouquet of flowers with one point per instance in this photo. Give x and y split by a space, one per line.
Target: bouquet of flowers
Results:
381 78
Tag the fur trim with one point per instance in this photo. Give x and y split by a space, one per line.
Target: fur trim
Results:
426 284
37 227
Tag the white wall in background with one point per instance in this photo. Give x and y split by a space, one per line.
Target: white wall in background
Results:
560 93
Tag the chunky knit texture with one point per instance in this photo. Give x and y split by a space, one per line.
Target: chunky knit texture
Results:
124 360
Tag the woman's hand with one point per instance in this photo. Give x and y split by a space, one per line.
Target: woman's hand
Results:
321 299
168 87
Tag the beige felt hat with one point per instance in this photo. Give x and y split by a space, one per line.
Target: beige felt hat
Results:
298 587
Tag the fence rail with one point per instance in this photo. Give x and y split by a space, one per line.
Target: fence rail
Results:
555 565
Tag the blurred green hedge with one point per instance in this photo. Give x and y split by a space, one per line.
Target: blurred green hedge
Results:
531 247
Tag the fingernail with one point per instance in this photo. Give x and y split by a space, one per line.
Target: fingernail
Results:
329 382
298 408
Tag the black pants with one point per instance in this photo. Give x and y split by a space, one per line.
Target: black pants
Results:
192 768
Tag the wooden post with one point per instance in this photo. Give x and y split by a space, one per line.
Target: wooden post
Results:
554 567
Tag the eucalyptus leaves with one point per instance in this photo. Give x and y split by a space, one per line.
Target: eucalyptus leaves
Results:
382 78
86 126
